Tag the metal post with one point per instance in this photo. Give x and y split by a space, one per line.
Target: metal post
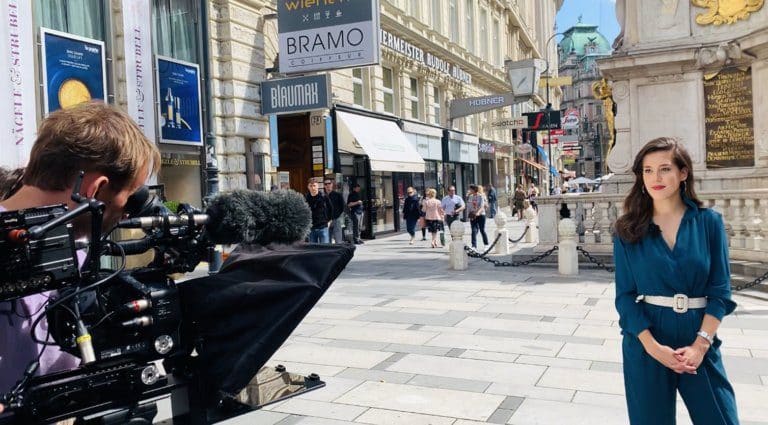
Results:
548 109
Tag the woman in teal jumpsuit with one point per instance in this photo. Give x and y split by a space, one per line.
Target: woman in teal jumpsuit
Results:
666 244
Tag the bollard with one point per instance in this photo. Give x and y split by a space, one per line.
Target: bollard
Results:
502 246
457 258
567 256
532 235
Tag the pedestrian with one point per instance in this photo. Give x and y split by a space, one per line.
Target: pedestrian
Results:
533 193
322 213
518 201
337 205
421 209
493 201
452 205
434 214
672 291
355 205
476 212
411 212
557 191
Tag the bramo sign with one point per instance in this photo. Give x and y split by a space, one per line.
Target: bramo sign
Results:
316 35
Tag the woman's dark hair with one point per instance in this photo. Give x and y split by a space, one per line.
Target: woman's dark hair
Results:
10 181
638 205
473 187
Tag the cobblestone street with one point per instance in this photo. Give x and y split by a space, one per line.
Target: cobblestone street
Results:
400 339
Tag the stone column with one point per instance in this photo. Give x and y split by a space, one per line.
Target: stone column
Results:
502 246
458 259
567 256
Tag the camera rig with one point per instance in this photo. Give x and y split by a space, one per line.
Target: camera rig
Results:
138 333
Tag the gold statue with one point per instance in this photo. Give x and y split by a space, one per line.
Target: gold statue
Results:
602 91
725 11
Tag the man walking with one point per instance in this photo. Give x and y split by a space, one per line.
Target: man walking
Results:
337 203
493 201
452 205
321 213
355 205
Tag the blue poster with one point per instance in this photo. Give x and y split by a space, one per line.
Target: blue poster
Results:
180 116
73 70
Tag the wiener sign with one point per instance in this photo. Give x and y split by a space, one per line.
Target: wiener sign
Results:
317 35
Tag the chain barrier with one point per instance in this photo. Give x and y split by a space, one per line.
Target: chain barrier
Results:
592 259
478 254
499 263
521 236
751 284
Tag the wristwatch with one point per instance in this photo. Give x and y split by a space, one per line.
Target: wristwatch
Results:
705 335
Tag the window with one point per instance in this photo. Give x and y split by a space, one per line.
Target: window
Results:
497 58
437 15
357 86
470 11
175 29
388 84
84 18
415 4
454 11
598 110
436 105
484 34
414 98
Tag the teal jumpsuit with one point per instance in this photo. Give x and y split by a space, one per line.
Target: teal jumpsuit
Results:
697 267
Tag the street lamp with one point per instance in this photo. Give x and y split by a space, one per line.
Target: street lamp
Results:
548 109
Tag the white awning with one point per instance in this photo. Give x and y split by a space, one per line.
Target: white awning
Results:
382 140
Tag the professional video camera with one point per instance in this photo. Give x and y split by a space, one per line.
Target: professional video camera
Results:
212 335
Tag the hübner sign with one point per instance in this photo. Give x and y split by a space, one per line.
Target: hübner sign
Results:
298 94
405 48
316 35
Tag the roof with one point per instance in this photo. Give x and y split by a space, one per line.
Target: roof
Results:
578 37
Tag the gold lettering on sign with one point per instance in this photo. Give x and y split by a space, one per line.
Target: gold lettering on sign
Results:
725 11
729 119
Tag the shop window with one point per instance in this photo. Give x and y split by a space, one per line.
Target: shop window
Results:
256 172
388 88
414 98
436 105
175 29
79 17
357 86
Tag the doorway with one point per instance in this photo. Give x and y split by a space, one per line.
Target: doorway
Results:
295 149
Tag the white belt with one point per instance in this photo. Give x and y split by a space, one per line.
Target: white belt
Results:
680 303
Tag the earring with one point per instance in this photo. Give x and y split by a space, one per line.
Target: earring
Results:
642 189
684 187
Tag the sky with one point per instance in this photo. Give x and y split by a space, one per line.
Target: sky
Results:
594 12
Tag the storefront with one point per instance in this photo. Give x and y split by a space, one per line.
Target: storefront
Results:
375 153
460 160
487 154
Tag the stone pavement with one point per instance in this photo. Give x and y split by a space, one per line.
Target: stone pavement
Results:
400 339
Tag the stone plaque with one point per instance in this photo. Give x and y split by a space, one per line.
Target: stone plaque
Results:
729 119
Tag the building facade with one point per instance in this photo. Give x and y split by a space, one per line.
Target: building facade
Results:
585 141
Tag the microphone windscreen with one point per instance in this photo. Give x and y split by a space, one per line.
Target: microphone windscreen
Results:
231 215
291 218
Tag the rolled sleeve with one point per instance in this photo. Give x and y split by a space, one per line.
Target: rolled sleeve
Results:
632 319
718 292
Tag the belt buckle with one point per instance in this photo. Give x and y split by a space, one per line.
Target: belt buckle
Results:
680 303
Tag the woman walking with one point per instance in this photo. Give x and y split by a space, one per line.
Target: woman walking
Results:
672 290
476 203
518 201
433 213
411 212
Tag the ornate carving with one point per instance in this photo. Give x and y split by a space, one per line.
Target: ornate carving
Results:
602 91
725 11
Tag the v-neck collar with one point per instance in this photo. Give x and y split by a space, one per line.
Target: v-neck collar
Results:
690 210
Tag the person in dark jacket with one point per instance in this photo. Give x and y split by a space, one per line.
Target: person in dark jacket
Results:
411 212
322 212
493 201
337 202
355 205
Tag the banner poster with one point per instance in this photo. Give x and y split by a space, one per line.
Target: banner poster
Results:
73 69
18 122
137 22
180 114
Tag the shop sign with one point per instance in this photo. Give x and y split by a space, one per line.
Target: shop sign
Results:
17 86
488 148
299 94
512 123
570 118
137 42
431 61
180 116
73 69
475 105
524 148
538 120
317 35
179 160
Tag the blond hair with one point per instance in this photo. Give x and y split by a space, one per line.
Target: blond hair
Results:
92 136
431 193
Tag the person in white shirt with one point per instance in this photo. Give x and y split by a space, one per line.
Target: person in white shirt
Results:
452 205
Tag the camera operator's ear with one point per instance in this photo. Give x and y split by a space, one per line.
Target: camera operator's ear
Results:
92 183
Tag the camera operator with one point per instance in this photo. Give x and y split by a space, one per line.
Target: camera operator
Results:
117 159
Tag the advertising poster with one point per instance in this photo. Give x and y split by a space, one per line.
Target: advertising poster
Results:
316 35
73 70
180 115
137 22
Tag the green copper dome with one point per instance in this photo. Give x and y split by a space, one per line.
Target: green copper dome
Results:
581 37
